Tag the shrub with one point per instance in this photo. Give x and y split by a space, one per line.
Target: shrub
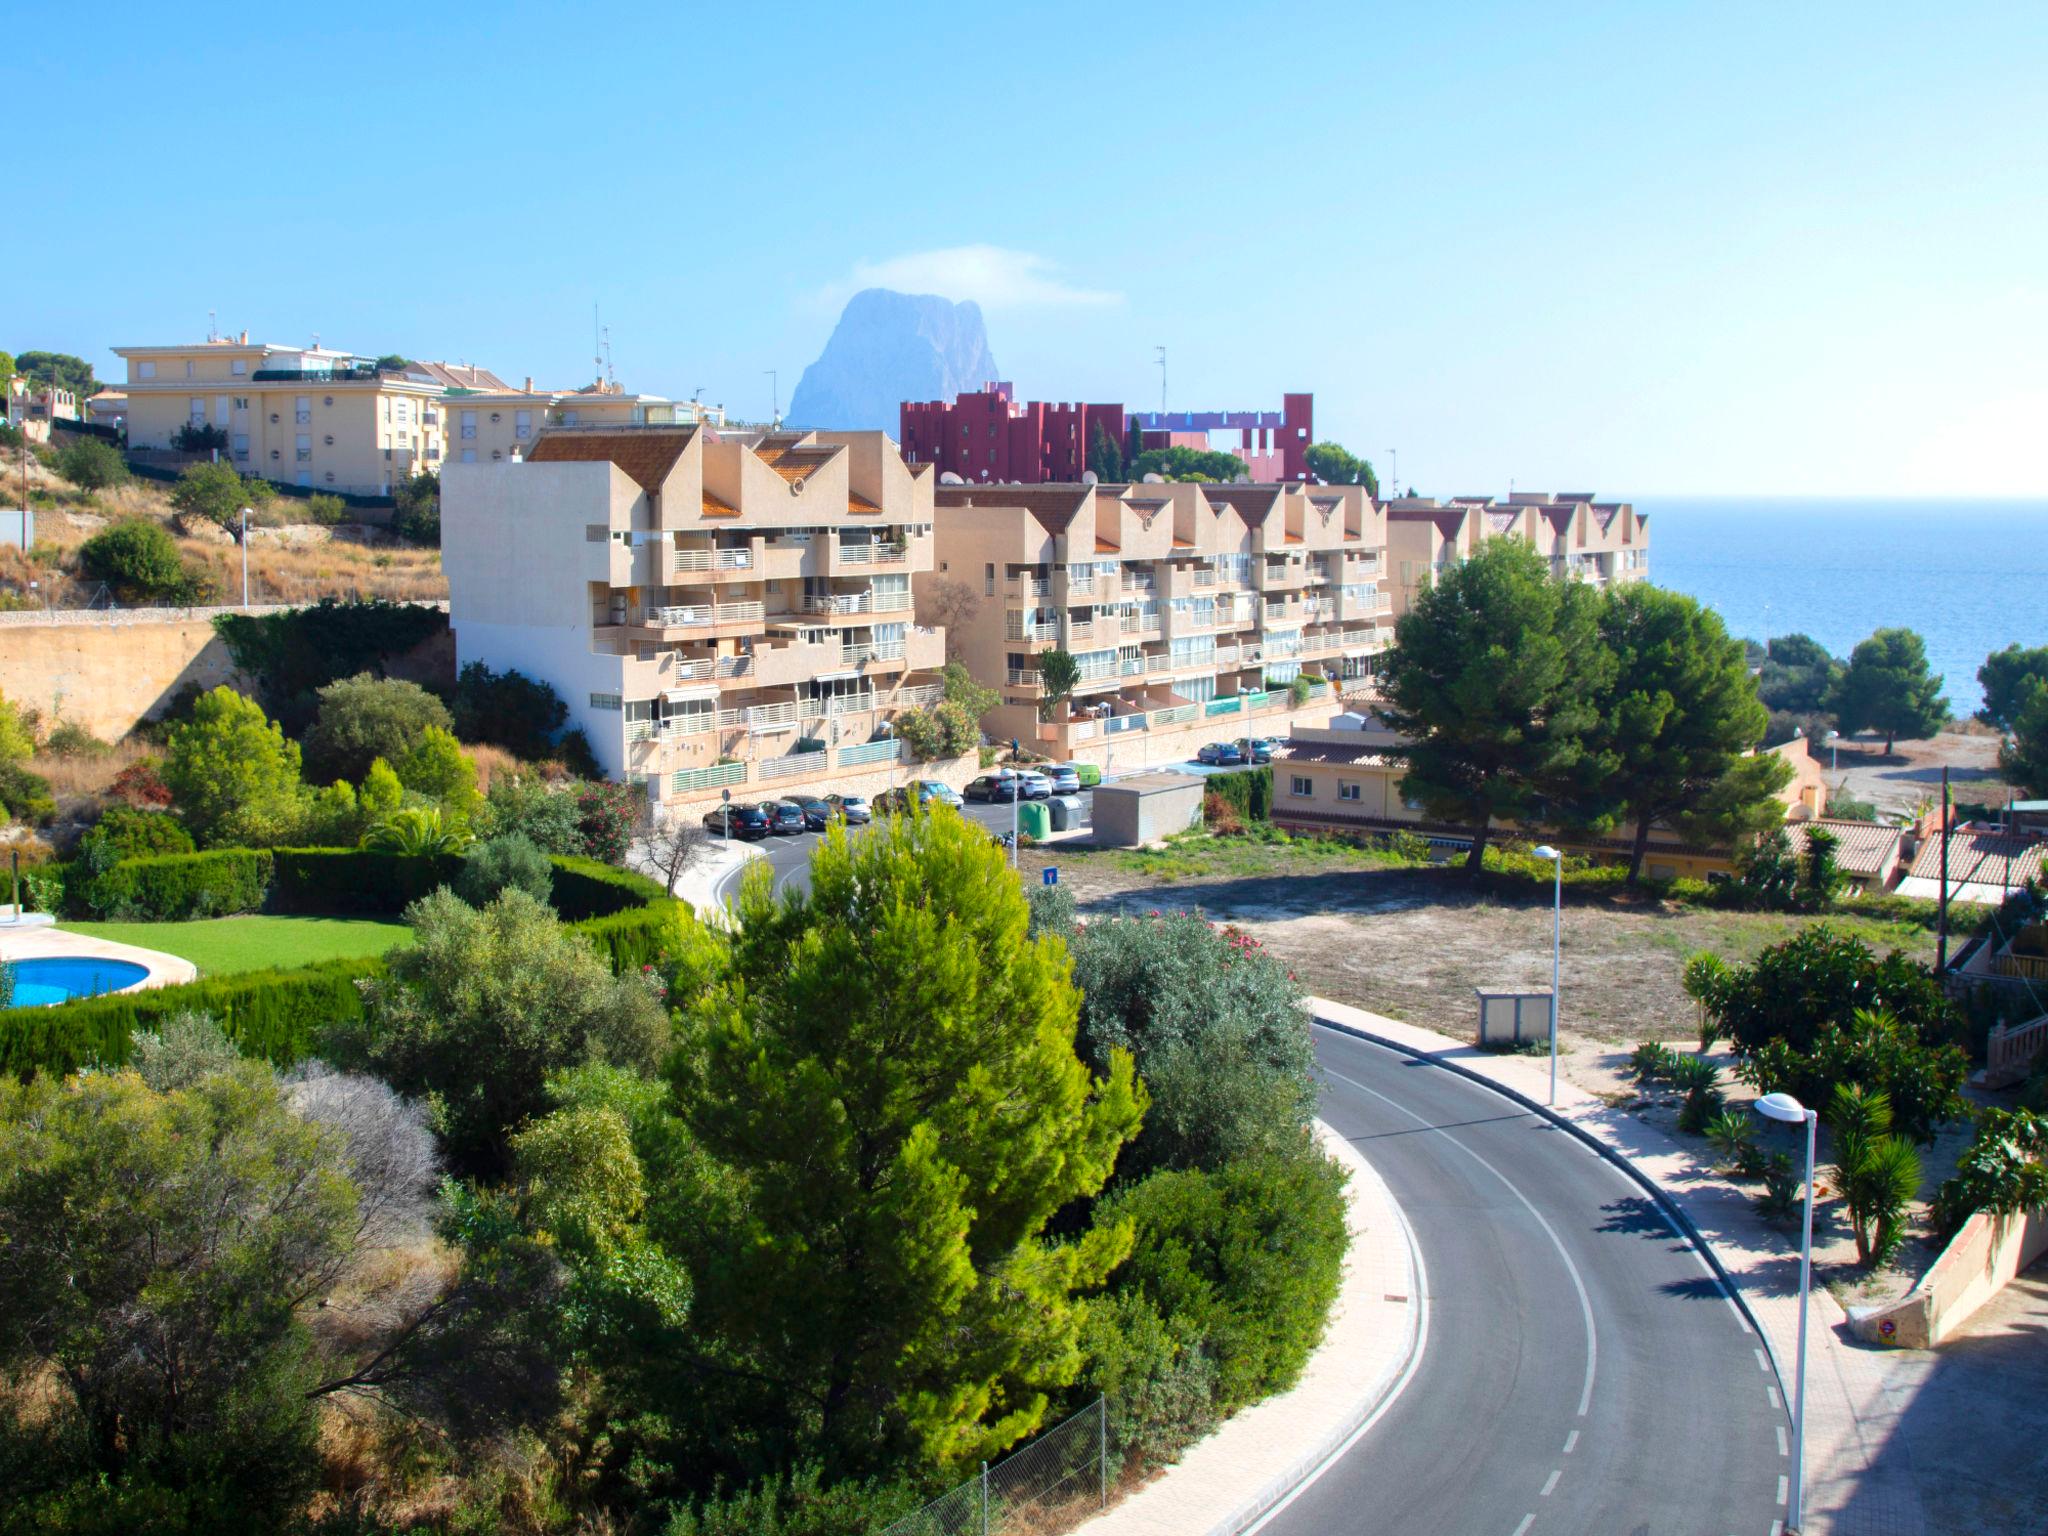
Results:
175 887
140 561
25 796
417 832
504 863
91 464
1784 1191
1248 790
363 718
1243 1261
128 833
508 709
328 511
1874 1051
437 767
585 888
233 774
606 815
355 882
1298 691
799 1504
213 491
418 517
292 655
1701 1081
1160 1391
141 786
1220 815
2000 1171
1652 1061
183 1049
1052 910
199 437
545 816
1876 1173
1733 1134
70 739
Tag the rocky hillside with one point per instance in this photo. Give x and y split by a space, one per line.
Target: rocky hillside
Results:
887 348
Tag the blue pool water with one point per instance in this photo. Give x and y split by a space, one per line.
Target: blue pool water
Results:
59 978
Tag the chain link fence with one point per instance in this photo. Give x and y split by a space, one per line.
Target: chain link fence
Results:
1056 1479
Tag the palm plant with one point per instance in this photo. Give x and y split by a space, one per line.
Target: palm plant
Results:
1651 1061
1733 1135
1701 1081
417 831
1783 1189
1876 1173
1705 979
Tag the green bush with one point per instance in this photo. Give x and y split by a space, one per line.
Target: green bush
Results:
140 561
363 718
1161 1392
638 940
328 511
292 655
355 882
584 888
169 888
501 864
508 709
25 796
70 739
128 833
274 1014
1249 791
91 464
1242 1262
418 518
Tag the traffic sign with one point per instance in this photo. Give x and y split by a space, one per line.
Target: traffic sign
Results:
1051 874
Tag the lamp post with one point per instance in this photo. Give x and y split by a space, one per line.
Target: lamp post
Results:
245 557
1783 1107
1556 857
1834 752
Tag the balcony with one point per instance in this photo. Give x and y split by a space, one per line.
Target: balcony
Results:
700 559
694 615
1083 631
1137 624
840 556
1035 586
857 602
314 375
861 655
1017 629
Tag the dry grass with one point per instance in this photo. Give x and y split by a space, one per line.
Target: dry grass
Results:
80 776
288 563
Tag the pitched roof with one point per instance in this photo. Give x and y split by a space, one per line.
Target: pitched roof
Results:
1332 752
461 376
1866 849
855 502
645 454
1979 857
1252 502
793 455
1055 506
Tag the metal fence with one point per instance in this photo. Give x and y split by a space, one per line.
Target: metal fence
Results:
1064 1471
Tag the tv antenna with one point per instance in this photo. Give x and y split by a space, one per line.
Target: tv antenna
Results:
1162 379
1394 471
774 397
605 347
213 325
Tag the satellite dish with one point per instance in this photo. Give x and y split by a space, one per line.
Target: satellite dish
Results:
1089 477
949 478
1155 480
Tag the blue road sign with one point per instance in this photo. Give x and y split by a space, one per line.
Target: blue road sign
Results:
1051 874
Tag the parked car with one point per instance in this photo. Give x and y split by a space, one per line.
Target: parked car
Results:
1220 754
817 814
784 816
851 809
1064 777
1090 774
1254 749
1032 784
997 789
931 791
744 822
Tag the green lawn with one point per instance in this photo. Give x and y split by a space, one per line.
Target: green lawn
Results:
221 946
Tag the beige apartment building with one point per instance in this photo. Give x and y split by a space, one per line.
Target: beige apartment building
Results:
1593 541
1190 608
306 416
719 611
489 424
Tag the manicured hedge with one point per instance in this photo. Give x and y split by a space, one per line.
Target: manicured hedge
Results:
586 888
638 937
172 887
273 1014
356 882
1249 791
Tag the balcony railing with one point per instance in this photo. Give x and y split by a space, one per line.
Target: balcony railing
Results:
312 375
1022 677
857 602
1036 586
1138 623
683 780
1017 630
883 650
1176 714
790 763
1081 631
923 696
712 559
867 754
702 667
870 554
842 704
758 717
683 615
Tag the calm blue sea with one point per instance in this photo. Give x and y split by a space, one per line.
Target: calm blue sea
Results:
1970 576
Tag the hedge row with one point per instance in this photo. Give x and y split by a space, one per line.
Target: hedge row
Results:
1249 791
356 882
172 887
274 1014
585 888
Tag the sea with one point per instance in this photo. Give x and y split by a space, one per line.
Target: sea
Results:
1970 576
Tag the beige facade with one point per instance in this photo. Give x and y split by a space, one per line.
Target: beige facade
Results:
488 427
1346 778
307 416
1190 608
33 409
1601 542
718 612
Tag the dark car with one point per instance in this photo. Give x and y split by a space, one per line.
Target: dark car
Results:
818 813
744 822
997 790
783 815
1220 754
1256 749
851 809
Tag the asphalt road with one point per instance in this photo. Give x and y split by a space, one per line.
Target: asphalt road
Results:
790 857
1580 1373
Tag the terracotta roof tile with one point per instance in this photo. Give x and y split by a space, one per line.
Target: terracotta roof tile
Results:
1866 849
855 502
646 455
717 506
1979 857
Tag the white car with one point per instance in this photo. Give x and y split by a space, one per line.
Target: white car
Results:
1036 785
1065 778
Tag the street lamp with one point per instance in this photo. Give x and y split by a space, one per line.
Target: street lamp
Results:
1834 752
1783 1107
1556 858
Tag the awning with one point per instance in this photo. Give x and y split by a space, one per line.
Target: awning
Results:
835 677
691 691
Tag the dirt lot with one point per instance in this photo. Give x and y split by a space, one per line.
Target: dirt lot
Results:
1413 943
1897 782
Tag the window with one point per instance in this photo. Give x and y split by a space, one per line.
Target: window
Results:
1347 789
305 446
401 410
433 450
241 402
188 368
241 445
1301 785
468 428
522 425
239 366
304 409
988 580
607 701
145 370
198 410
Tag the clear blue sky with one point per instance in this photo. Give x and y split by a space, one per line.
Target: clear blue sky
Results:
1629 248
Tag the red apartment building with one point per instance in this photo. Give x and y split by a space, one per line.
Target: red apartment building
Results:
987 436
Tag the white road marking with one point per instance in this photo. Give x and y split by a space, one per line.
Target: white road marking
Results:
1418 1287
1527 1521
1570 1441
1783 1449
1550 1482
1777 1528
1740 1321
1763 1363
1772 1394
1578 1281
1784 1488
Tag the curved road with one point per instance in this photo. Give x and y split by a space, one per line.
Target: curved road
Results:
1581 1373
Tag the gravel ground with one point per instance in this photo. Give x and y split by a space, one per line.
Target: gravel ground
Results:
1912 771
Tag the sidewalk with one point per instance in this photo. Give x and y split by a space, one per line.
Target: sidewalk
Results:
1859 1478
698 885
1257 1458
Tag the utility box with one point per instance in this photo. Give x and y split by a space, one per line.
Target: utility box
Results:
1147 807
1509 1018
1066 812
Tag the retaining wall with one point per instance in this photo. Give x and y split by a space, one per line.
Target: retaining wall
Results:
1974 1267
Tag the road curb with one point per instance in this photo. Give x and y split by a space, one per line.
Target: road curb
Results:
1666 1202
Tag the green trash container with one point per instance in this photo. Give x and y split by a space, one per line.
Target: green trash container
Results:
1033 820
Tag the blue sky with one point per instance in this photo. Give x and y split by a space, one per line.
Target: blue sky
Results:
1631 248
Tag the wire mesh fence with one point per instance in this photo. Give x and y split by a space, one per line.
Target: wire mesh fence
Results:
1064 1472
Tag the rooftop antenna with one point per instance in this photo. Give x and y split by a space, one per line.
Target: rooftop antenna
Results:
775 398
596 343
605 343
1394 471
1162 379
213 325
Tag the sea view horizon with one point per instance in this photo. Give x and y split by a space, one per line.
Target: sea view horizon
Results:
1970 576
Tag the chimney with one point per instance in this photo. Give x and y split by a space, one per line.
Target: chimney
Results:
529 383
245 338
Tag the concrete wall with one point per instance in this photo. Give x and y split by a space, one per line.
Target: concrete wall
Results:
1147 808
1975 1266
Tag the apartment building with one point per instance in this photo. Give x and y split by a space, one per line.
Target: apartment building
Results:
1190 608
33 408
1345 776
719 611
308 416
1587 540
490 424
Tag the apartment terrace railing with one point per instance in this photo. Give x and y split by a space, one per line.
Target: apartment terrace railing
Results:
1034 586
881 650
868 753
702 667
923 696
312 375
1016 629
1085 630
1138 623
1022 677
683 780
857 602
870 554
792 762
683 615
712 559
1175 714
755 717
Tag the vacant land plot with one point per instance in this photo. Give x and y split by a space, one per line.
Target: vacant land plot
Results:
221 946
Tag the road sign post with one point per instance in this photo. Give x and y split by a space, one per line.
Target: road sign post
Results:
1051 874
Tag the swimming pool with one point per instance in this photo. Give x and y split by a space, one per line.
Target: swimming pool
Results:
59 978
